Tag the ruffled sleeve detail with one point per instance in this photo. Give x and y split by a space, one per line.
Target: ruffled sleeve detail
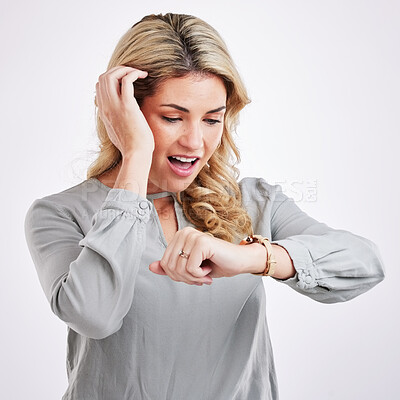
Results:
332 265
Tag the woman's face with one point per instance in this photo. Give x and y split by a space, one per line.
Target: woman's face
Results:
186 116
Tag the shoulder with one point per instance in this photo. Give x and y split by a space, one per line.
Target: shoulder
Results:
262 201
85 191
258 190
75 201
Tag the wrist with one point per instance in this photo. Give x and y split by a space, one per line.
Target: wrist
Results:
270 261
134 173
255 258
144 156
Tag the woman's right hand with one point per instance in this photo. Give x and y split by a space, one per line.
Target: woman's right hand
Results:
126 125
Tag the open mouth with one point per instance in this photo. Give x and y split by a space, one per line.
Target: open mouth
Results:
182 162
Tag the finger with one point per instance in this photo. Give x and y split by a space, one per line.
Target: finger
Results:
174 264
206 267
117 68
180 262
171 254
179 244
121 68
165 263
191 268
156 268
110 88
176 269
127 89
116 72
194 262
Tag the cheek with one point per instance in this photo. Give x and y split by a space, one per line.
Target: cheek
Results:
159 133
216 138
163 138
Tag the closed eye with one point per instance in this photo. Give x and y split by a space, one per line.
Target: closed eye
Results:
172 119
212 121
209 121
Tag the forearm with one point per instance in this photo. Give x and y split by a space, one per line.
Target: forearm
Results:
284 268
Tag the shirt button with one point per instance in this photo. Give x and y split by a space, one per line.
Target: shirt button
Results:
143 205
308 279
141 212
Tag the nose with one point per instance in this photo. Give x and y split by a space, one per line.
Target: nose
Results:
192 136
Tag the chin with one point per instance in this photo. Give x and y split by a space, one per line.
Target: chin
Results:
169 185
167 181
179 186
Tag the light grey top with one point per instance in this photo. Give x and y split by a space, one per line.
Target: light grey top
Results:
133 334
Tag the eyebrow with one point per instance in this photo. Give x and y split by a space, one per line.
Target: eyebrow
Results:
186 110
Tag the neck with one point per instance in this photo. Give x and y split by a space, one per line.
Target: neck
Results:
163 203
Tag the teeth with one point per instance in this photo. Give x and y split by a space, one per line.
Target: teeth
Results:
184 159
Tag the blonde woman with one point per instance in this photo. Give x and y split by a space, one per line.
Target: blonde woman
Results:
120 254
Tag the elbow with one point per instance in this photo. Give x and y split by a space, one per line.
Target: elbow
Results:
347 289
380 274
351 271
365 267
95 329
375 268
94 324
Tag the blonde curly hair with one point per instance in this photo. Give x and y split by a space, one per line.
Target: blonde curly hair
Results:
171 46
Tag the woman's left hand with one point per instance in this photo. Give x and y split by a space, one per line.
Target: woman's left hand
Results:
208 257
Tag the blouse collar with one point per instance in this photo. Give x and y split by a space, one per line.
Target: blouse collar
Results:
151 196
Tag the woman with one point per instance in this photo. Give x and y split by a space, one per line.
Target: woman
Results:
161 211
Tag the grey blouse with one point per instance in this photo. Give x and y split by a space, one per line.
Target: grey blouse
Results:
133 334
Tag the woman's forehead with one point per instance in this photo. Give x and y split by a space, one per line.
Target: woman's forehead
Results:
191 89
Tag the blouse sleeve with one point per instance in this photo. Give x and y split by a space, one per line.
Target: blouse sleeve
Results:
332 265
89 279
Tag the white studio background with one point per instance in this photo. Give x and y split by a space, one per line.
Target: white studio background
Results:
323 77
